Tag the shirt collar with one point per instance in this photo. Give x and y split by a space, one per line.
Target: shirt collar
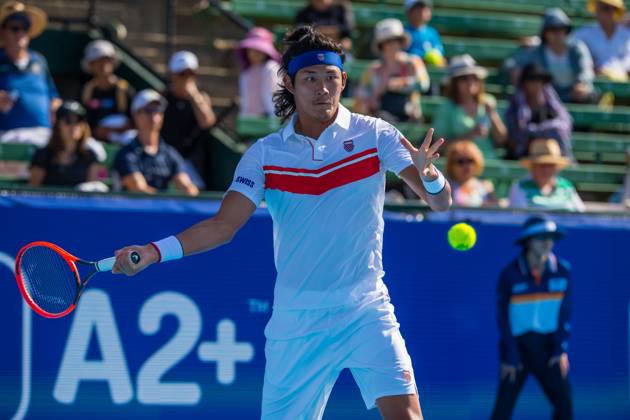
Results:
341 121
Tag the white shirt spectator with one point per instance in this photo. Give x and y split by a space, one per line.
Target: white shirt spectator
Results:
610 55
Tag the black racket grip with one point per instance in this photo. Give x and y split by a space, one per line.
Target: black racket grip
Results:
134 257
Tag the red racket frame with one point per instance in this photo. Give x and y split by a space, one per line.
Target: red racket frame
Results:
69 258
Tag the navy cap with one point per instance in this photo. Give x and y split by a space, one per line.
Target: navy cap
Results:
539 226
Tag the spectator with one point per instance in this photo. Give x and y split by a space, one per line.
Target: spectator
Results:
567 60
67 160
469 112
608 40
188 115
259 61
535 112
28 95
148 164
543 187
106 97
464 163
390 87
534 309
425 40
331 18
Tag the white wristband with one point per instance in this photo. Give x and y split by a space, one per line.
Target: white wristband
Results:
437 185
169 249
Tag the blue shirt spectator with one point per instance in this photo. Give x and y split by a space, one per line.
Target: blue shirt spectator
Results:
27 91
158 169
32 88
148 164
425 40
566 59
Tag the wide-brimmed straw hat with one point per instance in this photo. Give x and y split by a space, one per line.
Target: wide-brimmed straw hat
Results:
259 39
37 18
545 151
618 4
388 29
464 65
539 226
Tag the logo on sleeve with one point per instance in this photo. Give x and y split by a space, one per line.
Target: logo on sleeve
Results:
245 181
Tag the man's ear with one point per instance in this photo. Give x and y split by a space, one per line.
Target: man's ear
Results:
288 84
344 80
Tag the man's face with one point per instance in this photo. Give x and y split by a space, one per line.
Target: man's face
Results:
541 245
419 15
15 33
150 118
317 91
605 14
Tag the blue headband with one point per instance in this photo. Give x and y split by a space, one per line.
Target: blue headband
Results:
313 58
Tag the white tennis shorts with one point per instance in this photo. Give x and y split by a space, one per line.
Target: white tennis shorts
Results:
300 371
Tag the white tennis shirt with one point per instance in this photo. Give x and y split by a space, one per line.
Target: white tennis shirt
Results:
326 199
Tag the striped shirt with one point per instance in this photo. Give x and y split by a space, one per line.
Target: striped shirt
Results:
326 198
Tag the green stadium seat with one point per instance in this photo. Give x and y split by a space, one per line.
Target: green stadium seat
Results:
481 23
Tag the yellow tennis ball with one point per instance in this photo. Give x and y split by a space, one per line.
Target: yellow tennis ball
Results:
434 58
462 236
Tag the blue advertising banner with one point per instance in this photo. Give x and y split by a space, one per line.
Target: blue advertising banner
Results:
186 338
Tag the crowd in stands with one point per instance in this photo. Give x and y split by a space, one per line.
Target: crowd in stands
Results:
163 136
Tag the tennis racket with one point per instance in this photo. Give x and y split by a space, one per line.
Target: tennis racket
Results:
49 279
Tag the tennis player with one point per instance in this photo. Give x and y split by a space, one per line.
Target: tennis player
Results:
323 179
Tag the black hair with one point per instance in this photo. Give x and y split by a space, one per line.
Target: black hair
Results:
297 42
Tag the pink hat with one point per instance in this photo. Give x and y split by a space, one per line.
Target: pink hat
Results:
259 39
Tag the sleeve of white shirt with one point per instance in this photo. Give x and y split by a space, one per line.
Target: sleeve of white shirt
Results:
249 178
393 155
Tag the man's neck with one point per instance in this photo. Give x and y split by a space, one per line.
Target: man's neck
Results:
312 127
557 50
536 262
106 81
609 30
150 141
16 54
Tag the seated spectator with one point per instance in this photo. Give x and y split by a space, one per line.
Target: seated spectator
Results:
464 163
390 87
608 40
67 160
28 94
331 18
543 188
469 112
148 164
567 60
425 40
106 97
188 115
535 111
259 61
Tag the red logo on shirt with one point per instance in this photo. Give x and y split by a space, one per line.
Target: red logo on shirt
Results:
348 145
406 375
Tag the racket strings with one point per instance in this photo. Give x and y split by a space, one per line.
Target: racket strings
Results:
48 279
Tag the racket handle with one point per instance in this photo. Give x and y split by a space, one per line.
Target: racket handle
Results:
108 263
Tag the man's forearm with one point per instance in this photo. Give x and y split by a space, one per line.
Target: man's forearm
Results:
208 234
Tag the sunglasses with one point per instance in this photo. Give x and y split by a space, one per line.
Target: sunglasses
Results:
72 119
464 161
153 109
16 28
